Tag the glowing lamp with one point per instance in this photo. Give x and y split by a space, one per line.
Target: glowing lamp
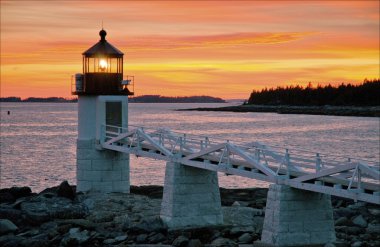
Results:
103 65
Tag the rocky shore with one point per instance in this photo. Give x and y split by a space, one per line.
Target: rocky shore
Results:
60 217
373 111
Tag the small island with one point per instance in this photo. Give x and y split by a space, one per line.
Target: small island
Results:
344 100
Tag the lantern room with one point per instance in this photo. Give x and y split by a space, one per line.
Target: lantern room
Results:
102 71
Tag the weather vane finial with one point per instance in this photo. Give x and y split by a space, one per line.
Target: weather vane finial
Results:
102 24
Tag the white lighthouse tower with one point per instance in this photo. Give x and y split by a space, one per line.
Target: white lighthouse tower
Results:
102 104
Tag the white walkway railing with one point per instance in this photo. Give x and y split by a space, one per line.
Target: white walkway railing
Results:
349 178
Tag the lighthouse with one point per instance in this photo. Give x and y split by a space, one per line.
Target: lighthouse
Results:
102 105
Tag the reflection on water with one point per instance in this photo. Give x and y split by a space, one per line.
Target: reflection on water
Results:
38 139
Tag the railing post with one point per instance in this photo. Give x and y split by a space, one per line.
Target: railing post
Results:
287 162
318 163
180 145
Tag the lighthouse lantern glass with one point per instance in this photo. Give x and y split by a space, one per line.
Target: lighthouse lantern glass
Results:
103 65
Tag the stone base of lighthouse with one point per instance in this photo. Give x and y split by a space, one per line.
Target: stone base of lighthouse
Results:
191 197
101 170
297 218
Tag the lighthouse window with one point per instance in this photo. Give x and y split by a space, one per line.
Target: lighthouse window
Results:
113 113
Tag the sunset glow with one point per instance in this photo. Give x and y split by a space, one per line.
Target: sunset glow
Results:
181 48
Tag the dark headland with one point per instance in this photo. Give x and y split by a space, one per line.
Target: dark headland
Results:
59 216
344 100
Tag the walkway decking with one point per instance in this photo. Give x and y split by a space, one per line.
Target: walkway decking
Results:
354 179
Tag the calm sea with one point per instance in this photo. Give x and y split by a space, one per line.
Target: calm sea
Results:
38 140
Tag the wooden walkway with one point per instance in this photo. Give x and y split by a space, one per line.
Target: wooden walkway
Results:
349 178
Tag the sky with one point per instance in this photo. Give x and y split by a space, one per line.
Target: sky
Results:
181 48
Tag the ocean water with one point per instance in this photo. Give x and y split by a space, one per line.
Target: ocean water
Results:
38 140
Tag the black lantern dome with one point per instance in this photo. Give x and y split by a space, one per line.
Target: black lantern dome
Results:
102 70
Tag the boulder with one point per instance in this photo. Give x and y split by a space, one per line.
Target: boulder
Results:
65 190
83 223
342 221
10 240
180 241
11 214
41 209
121 238
360 221
245 238
75 237
150 224
6 197
141 238
194 243
156 238
7 226
17 192
374 211
357 244
373 229
225 242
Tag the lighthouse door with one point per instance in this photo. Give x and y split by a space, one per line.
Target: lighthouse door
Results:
114 114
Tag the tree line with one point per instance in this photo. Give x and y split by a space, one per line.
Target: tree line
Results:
365 94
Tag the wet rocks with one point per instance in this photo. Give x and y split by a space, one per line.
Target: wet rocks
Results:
65 190
359 221
7 226
180 241
90 219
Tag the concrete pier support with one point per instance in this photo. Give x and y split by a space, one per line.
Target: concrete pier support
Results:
101 170
191 197
297 218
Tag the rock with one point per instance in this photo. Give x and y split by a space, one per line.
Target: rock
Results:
360 221
239 230
235 204
343 221
10 240
11 214
373 228
75 237
374 211
65 190
83 223
90 203
225 242
121 238
245 238
41 209
180 241
194 243
156 238
238 216
354 230
109 241
357 244
347 212
17 192
7 226
151 224
6 197
141 238
101 216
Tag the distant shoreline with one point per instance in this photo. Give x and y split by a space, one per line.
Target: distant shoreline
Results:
138 99
355 111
